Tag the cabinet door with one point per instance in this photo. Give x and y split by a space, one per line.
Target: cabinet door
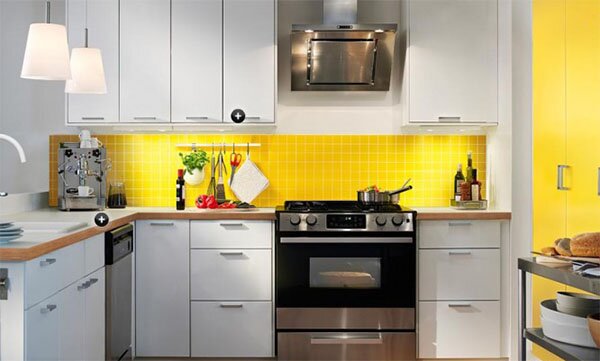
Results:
453 61
145 60
196 61
94 334
249 59
72 321
162 288
103 25
583 115
42 327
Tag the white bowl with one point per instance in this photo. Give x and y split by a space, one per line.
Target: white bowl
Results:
551 313
574 335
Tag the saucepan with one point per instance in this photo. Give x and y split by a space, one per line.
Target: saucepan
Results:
378 198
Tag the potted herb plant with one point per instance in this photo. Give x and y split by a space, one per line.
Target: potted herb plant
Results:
194 163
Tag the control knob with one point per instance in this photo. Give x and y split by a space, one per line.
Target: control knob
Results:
295 220
380 220
311 220
397 220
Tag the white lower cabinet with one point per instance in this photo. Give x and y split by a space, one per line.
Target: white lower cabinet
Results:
70 324
454 329
241 274
232 329
162 288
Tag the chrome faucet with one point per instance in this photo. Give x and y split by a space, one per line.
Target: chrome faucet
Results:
19 149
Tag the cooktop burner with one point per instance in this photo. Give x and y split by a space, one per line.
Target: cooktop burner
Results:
337 206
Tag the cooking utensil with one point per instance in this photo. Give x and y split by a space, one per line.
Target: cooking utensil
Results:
220 195
249 181
374 198
234 159
212 186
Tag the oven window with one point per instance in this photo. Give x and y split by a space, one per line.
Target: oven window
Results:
345 272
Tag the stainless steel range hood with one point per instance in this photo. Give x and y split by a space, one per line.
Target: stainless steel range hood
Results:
341 54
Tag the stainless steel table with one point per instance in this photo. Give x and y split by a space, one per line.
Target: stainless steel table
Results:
562 273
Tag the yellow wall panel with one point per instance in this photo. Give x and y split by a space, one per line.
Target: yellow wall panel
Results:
297 166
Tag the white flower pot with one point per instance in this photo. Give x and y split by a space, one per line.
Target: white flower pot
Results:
194 178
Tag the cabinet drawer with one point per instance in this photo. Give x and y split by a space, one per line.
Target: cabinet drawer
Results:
459 234
478 322
231 275
52 272
94 253
42 329
465 274
231 234
232 329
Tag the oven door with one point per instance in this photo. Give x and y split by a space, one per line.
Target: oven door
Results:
345 272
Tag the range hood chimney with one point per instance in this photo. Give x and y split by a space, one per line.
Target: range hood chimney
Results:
341 55
340 12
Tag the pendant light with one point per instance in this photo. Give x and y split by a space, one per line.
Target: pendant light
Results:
87 69
47 51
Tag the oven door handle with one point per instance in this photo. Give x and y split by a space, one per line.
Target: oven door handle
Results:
345 339
366 240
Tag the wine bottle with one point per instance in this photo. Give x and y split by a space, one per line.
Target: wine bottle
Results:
459 179
469 167
180 191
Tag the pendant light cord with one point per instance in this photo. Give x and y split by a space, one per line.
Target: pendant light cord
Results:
47 12
86 23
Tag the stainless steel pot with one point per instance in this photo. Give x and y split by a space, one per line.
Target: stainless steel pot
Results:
373 198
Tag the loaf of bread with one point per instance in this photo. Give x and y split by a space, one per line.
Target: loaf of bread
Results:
549 251
563 246
586 245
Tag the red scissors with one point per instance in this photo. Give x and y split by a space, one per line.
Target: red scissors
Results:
234 159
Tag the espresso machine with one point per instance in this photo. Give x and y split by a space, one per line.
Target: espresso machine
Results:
85 167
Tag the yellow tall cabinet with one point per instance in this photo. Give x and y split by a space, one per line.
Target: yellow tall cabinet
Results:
566 127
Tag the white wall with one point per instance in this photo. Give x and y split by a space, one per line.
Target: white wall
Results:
30 110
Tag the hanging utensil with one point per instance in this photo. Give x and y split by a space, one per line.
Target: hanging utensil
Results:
220 194
234 159
212 186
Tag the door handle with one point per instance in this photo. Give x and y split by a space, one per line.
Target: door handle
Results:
344 339
162 223
459 305
459 253
48 308
144 118
458 224
231 305
83 286
560 177
196 118
47 262
93 280
92 118
224 225
445 119
234 253
253 118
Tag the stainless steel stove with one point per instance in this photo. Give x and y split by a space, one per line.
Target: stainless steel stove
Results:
345 281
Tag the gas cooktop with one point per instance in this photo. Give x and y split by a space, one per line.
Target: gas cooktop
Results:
337 206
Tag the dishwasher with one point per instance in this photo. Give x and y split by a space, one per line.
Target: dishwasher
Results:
118 248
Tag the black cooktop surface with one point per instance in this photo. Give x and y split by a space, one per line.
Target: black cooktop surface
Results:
336 206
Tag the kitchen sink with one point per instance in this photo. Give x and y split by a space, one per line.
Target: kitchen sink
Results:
50 227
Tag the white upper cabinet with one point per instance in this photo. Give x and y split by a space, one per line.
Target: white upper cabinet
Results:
249 60
103 26
145 61
196 61
453 61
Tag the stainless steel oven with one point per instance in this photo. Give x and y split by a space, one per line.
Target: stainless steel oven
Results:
345 283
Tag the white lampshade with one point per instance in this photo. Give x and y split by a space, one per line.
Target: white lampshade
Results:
46 53
87 72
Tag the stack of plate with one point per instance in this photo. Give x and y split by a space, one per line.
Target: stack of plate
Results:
8 231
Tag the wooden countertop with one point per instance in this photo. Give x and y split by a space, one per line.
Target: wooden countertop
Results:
31 246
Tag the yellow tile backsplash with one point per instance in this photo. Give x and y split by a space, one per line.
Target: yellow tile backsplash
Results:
297 166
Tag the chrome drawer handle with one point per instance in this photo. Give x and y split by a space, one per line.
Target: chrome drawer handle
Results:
459 305
236 253
196 118
84 285
162 223
92 118
93 281
443 119
253 118
560 177
231 225
346 340
48 308
459 253
458 224
47 262
144 118
231 305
